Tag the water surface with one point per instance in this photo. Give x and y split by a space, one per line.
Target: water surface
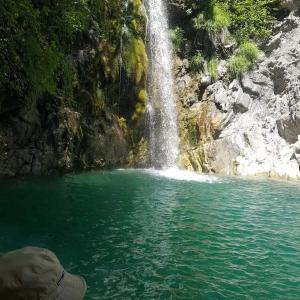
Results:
143 235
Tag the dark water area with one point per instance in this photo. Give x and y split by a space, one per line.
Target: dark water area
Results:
140 235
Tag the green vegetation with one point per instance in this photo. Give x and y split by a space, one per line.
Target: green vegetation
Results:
77 51
70 50
135 59
214 19
245 59
246 19
197 62
177 38
212 67
34 40
140 107
216 28
252 19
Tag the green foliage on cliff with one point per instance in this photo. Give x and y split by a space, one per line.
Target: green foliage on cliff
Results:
197 62
216 28
251 19
250 51
213 19
212 67
177 38
34 40
246 19
68 48
135 59
245 59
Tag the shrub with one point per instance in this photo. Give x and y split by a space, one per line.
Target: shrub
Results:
220 18
199 21
213 20
245 19
251 19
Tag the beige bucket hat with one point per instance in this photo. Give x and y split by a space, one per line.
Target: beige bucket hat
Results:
33 273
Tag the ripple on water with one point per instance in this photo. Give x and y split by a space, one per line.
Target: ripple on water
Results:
143 235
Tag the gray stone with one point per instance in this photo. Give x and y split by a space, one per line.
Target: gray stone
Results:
242 103
266 120
260 125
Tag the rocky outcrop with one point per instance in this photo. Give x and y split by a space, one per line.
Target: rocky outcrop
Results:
34 142
251 124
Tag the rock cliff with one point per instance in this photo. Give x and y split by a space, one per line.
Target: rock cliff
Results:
72 85
249 125
42 142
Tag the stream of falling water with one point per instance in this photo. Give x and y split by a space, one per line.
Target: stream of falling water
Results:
164 140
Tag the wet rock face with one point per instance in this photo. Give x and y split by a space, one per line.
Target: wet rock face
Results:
63 141
50 137
259 114
291 4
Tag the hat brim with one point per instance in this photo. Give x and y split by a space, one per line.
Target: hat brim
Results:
74 287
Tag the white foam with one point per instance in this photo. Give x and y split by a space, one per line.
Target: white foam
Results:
183 175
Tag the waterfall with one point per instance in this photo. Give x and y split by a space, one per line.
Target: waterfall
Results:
162 116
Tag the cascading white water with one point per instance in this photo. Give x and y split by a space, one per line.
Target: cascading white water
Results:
164 141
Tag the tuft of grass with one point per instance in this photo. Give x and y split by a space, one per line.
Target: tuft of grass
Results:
212 66
250 51
245 59
238 65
